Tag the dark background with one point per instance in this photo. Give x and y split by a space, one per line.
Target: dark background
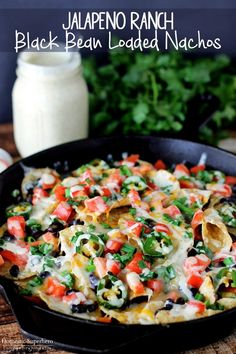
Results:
215 23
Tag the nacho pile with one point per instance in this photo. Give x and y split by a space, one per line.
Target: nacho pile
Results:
126 241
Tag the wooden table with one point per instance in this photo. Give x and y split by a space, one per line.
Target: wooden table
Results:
11 339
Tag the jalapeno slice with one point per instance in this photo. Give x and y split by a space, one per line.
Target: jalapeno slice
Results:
111 292
157 245
89 245
21 209
135 182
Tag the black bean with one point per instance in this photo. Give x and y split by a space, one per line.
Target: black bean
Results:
180 301
76 222
81 308
93 280
69 291
8 237
55 227
192 253
14 271
139 299
194 291
44 274
168 304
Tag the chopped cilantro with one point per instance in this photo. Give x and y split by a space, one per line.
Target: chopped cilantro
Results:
76 236
233 278
188 234
132 211
42 249
90 266
201 248
142 264
125 171
228 261
68 279
91 227
35 282
168 218
105 225
166 273
205 176
199 297
105 199
25 292
146 275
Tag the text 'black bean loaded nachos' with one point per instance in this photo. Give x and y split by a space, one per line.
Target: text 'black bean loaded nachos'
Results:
124 240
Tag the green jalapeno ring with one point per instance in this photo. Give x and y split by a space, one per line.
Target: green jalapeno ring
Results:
135 182
89 245
157 245
111 292
21 209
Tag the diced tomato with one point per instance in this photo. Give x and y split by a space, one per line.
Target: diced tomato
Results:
197 168
134 197
162 228
34 243
173 295
60 193
219 189
16 226
48 237
87 178
38 194
181 170
113 245
134 266
79 191
134 283
196 264
234 247
113 266
54 288
200 307
156 285
18 259
63 211
132 158
100 265
153 186
195 281
186 184
230 180
172 211
96 204
48 181
69 297
160 165
134 227
196 222
115 179
105 192
104 319
1 261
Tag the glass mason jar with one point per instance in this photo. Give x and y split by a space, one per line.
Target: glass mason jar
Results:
50 100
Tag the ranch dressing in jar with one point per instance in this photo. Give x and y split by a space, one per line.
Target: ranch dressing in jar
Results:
50 100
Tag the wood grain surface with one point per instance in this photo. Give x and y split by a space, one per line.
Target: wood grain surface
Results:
11 339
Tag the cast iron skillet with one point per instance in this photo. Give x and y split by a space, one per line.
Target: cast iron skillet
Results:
87 336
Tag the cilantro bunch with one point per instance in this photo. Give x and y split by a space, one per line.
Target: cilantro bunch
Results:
152 93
